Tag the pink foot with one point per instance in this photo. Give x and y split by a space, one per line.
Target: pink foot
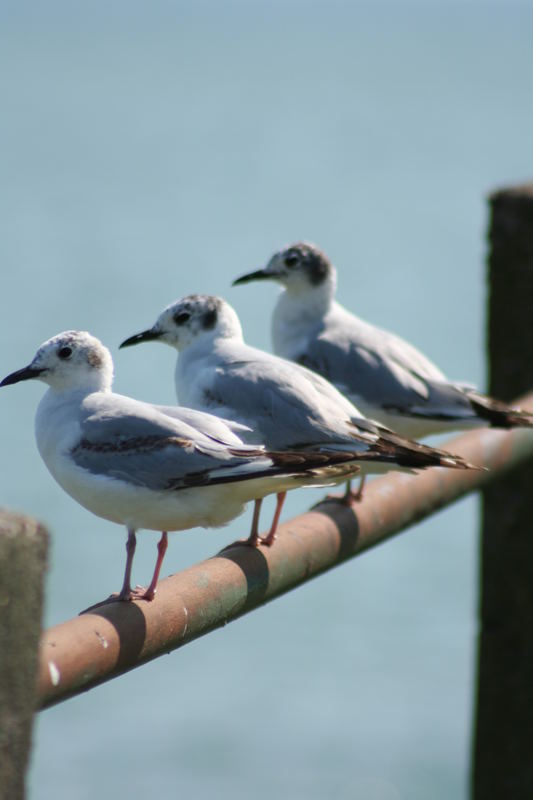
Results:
251 541
139 593
116 597
347 498
142 593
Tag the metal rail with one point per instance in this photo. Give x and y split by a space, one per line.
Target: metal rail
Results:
116 637
113 638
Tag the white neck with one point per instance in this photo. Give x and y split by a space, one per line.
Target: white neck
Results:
87 383
229 326
303 302
296 312
56 421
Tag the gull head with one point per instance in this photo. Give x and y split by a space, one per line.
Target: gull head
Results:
299 267
70 360
194 318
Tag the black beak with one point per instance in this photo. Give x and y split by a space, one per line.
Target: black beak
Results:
258 275
145 336
23 374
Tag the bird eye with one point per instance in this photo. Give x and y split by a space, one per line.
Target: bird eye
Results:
181 317
291 260
64 352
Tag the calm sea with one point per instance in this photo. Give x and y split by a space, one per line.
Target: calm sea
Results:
154 149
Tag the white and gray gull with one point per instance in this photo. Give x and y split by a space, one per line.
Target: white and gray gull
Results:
385 376
146 466
287 405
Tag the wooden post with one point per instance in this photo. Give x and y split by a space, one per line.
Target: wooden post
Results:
503 744
23 548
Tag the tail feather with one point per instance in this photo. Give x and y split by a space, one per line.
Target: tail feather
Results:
308 468
413 459
411 454
497 413
388 448
317 463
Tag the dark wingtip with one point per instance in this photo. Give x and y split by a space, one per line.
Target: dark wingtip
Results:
497 413
458 462
145 336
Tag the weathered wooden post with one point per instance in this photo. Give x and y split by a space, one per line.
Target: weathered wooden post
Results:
23 549
503 744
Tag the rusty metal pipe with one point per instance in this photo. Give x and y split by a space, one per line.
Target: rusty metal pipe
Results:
111 639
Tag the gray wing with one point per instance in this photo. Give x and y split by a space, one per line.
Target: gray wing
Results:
366 376
287 405
137 443
287 422
379 370
220 430
389 347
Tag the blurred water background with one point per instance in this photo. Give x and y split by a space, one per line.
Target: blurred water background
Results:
154 149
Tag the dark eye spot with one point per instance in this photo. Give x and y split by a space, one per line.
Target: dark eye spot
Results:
292 260
181 317
209 319
64 353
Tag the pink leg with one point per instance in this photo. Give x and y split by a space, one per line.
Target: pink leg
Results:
280 499
254 539
126 593
349 497
149 593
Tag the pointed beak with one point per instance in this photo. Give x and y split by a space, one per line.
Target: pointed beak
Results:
23 374
145 336
258 275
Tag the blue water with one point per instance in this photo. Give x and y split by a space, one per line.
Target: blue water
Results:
155 149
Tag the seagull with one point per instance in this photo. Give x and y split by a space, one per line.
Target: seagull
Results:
383 375
286 405
147 466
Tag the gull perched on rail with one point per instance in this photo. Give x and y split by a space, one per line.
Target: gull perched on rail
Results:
383 375
146 466
286 405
